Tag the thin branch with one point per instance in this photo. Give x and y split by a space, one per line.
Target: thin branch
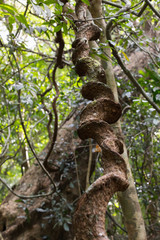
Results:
9 157
142 10
50 118
89 163
131 11
77 174
23 196
38 53
25 132
126 71
28 141
133 138
1 130
21 3
20 26
6 145
143 49
113 220
60 40
51 84
153 9
112 4
36 125
37 16
44 106
20 69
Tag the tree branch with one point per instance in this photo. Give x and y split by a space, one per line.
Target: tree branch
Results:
114 221
20 26
112 4
153 9
59 40
126 71
44 106
23 196
6 145
25 132
20 69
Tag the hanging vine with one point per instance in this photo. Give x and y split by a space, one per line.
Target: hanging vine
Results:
95 120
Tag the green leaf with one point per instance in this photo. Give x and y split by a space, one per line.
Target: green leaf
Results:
8 8
155 76
141 72
47 34
48 2
11 19
65 28
116 204
66 227
20 200
27 214
21 18
57 28
86 2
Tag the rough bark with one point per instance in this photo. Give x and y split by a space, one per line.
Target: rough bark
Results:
37 218
129 200
95 120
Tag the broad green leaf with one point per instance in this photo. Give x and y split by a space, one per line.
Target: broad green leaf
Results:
57 28
8 8
11 19
86 2
21 18
141 72
65 28
155 76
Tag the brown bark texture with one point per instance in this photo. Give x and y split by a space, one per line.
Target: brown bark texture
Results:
38 218
128 199
95 120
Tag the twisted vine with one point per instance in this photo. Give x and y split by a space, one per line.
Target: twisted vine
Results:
95 120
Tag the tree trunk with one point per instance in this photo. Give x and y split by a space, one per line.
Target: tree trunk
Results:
48 217
129 200
95 120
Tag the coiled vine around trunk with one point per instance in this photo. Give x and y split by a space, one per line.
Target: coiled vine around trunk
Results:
95 120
